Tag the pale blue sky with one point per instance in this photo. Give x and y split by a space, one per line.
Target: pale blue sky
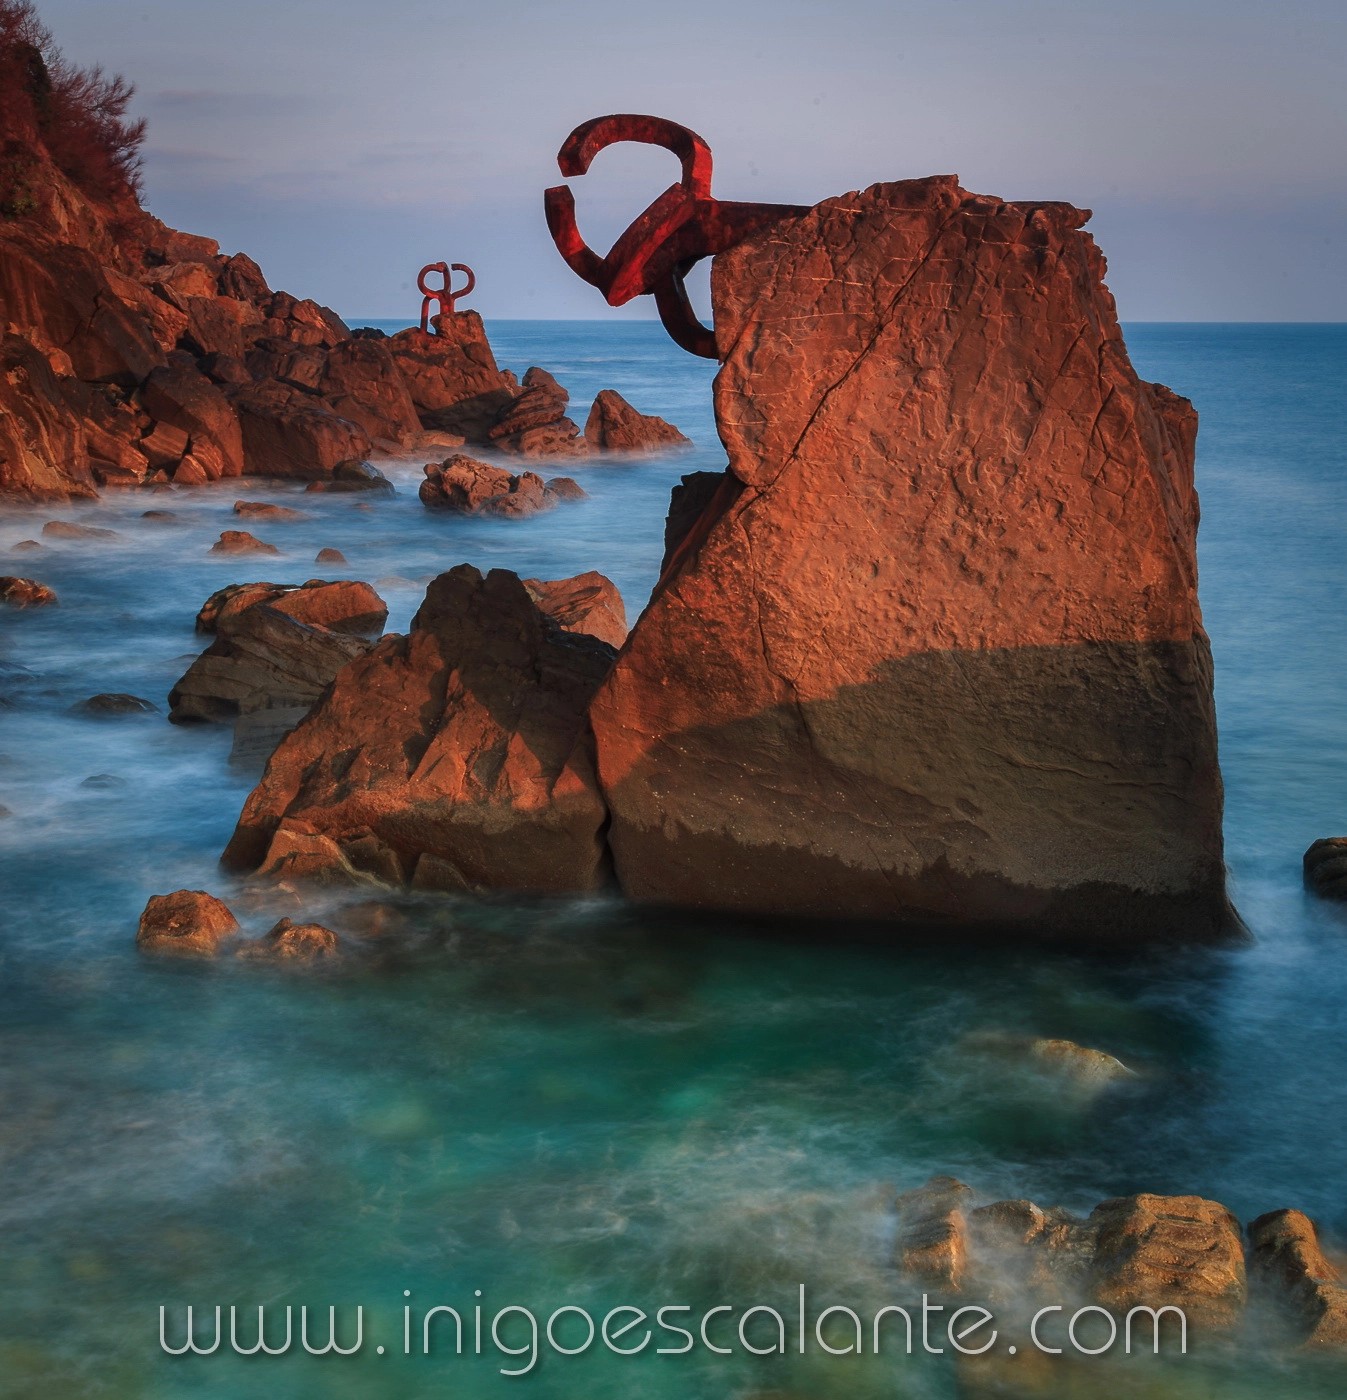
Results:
344 143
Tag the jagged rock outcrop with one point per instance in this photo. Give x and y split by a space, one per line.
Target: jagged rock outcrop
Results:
452 376
933 653
1287 1265
469 487
457 756
535 423
614 425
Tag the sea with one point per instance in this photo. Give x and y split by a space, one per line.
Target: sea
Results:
577 1104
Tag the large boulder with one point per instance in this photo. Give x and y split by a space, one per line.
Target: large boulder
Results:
452 375
535 423
1287 1265
933 654
458 755
614 425
289 433
469 487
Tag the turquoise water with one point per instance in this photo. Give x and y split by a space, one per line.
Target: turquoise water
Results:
572 1102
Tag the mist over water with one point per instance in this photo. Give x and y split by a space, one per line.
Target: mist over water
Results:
575 1101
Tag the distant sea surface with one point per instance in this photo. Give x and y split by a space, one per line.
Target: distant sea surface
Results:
573 1102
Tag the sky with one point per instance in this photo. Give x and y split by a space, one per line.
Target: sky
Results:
345 143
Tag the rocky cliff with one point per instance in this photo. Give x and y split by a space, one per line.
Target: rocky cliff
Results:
933 651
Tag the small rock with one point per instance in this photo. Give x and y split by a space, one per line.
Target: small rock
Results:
26 547
186 921
158 517
115 703
241 542
353 475
190 472
563 488
104 782
5 812
1285 1262
289 941
25 593
1326 867
330 556
264 510
1079 1068
65 530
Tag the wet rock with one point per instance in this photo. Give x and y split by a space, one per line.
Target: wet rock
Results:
1325 867
289 433
452 377
264 510
464 740
535 423
587 603
26 546
25 593
1076 1068
261 659
289 941
354 475
430 440
949 615
159 517
346 605
112 703
5 813
330 556
1180 1250
614 425
469 487
241 542
104 782
188 922
68 530
932 1242
1287 1265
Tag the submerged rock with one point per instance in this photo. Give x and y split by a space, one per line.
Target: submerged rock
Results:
614 425
1326 867
288 942
264 510
241 542
937 658
113 703
68 530
462 746
25 593
353 475
185 922
330 556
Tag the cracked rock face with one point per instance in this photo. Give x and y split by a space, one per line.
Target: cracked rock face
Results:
933 653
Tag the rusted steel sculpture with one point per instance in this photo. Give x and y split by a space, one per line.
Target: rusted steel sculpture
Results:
443 295
684 225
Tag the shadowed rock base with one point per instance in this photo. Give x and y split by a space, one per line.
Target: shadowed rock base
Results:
1051 791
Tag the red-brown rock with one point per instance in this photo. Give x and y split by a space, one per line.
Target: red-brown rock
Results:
469 487
535 423
452 377
587 603
180 396
330 556
241 542
289 433
189 922
44 451
264 510
934 652
462 749
1286 1262
344 606
363 383
614 425
289 942
25 593
69 530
